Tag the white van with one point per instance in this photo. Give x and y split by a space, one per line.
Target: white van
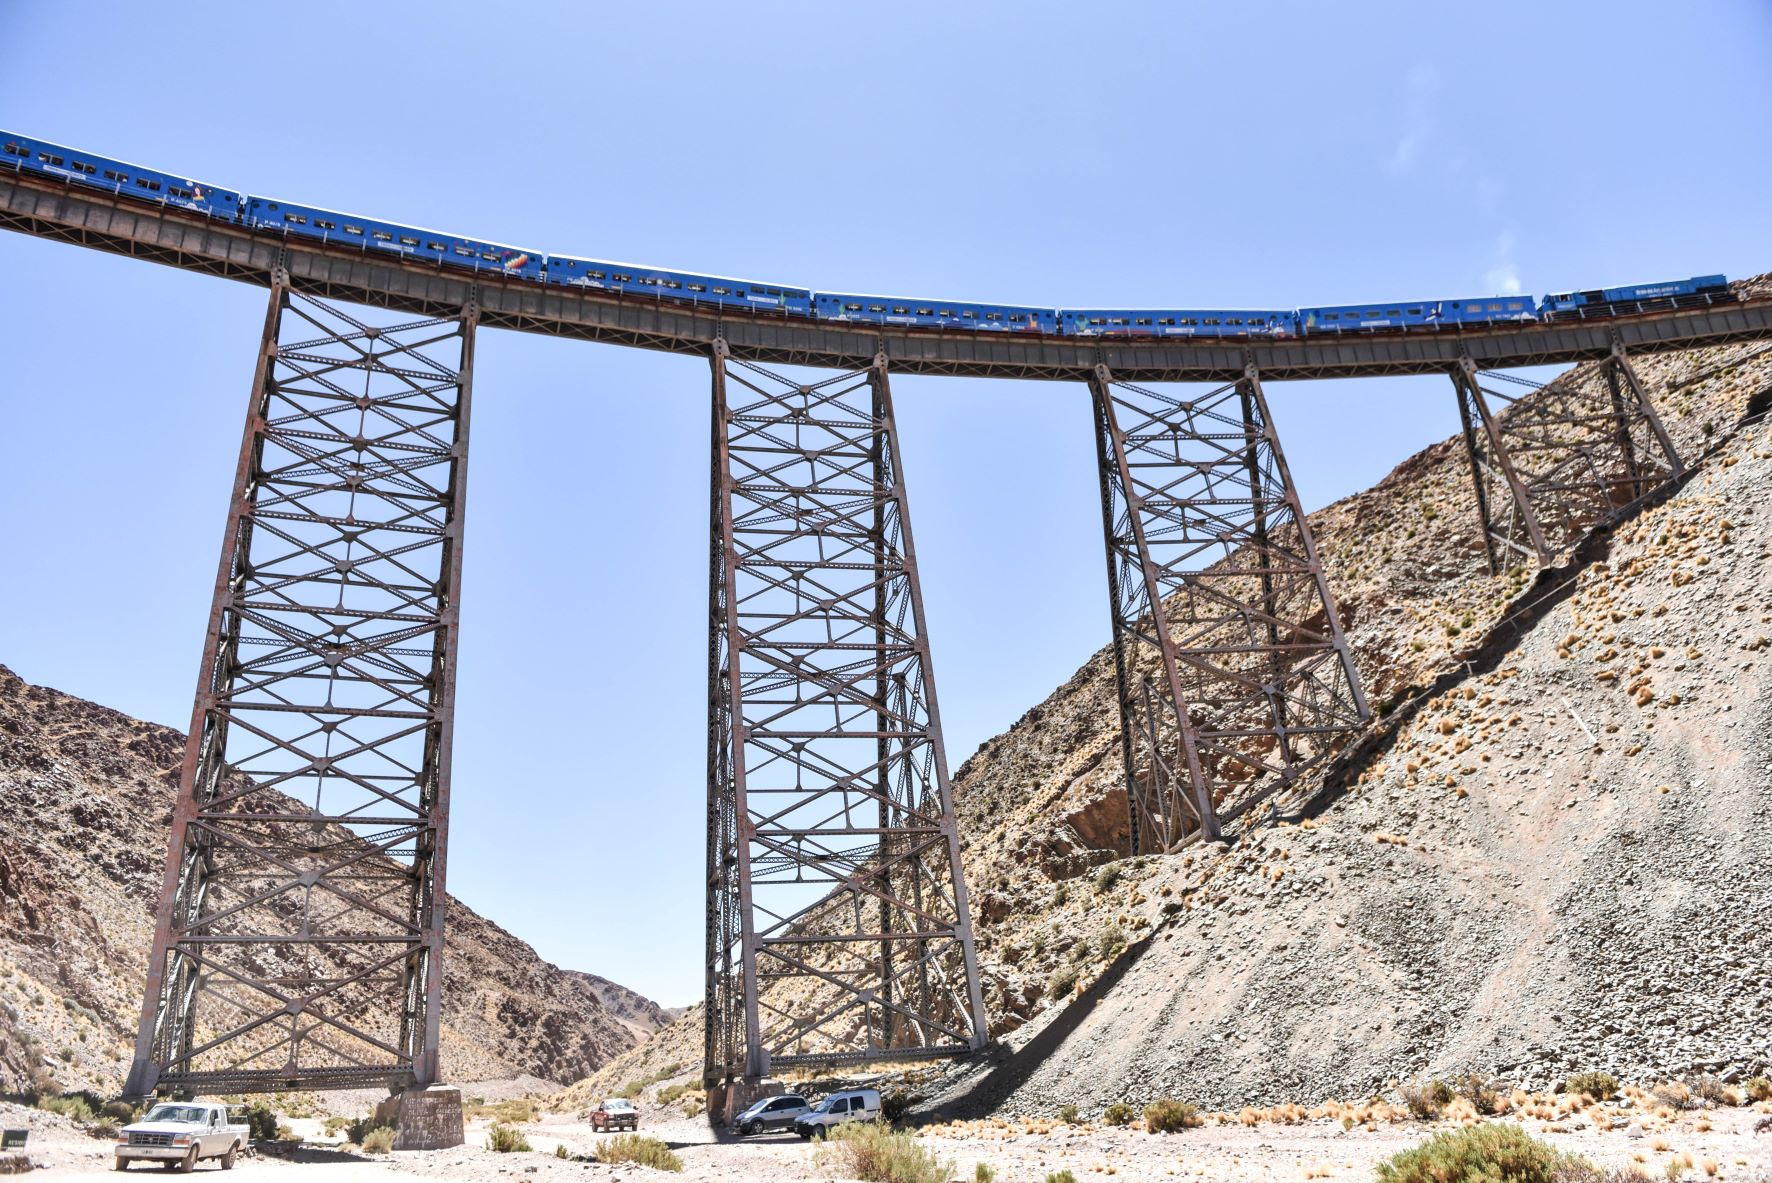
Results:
834 1110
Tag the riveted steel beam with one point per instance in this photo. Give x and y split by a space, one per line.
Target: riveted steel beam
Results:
299 934
1233 673
838 924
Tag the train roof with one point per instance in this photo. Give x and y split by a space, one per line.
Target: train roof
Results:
1190 311
942 300
1389 303
326 209
159 172
679 271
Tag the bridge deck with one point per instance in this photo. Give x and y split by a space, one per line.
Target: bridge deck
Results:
174 237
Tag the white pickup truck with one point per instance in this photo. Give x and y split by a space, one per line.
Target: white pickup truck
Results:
177 1134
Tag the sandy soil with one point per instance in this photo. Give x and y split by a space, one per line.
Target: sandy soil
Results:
1224 1154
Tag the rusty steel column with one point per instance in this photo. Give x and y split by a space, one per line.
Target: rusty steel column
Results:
1230 691
838 925
1168 799
1568 454
299 935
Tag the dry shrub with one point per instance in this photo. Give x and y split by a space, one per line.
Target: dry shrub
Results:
1674 1095
1709 1088
638 1148
506 1140
1601 1086
1759 1089
378 1141
1481 1154
1119 1113
1169 1115
870 1151
1486 1095
1460 1110
1250 1117
1426 1098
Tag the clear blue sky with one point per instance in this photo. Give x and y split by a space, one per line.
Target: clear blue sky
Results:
1222 154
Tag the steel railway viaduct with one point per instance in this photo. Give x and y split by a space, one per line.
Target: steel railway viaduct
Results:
300 928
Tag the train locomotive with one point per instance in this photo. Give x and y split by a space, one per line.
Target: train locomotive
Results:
370 235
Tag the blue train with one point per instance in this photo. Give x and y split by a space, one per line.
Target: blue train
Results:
336 229
1636 298
939 314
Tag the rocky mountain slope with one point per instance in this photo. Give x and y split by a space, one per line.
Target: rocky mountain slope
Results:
87 796
640 1014
1485 886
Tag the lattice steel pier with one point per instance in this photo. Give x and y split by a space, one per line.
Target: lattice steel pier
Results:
299 937
838 929
1558 458
1234 677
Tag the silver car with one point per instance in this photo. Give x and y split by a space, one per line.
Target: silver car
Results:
771 1113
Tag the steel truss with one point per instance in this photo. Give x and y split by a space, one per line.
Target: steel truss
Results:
299 937
1558 458
838 929
1234 677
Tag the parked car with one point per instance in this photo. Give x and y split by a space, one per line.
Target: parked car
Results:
615 1113
179 1133
771 1113
834 1110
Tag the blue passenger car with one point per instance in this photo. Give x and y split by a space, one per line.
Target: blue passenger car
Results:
372 234
1598 299
1188 322
936 314
678 285
1355 318
115 176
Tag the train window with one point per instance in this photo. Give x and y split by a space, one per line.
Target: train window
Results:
993 316
1415 312
925 312
144 183
325 225
698 287
1331 316
15 150
1144 320
350 229
1393 312
968 314
1165 320
1233 320
46 158
1210 320
620 278
596 275
381 236
489 256
1514 305
852 307
185 194
296 218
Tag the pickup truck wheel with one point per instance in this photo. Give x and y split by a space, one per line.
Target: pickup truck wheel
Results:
119 1164
227 1160
188 1163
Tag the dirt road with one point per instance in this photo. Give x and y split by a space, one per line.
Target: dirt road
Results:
1223 1154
